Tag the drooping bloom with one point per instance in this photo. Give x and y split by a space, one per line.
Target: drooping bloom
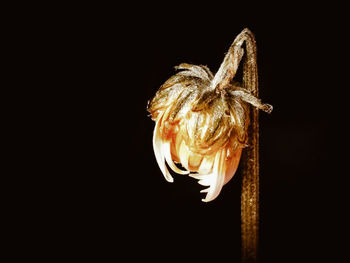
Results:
201 123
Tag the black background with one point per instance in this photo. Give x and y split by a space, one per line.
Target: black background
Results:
118 203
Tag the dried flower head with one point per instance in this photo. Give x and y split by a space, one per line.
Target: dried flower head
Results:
202 121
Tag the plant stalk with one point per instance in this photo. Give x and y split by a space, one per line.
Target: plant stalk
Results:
250 162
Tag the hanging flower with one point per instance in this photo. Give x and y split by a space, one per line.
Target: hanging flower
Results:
202 121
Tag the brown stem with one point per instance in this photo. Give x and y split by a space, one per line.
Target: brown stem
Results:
250 193
250 161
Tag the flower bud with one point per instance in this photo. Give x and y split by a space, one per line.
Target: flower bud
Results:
201 123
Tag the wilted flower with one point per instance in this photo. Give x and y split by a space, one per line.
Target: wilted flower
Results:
202 121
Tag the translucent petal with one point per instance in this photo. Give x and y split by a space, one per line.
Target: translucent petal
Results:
198 176
194 161
217 178
232 164
167 154
207 181
206 165
184 154
157 148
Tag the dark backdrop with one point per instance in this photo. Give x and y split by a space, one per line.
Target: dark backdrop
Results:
121 203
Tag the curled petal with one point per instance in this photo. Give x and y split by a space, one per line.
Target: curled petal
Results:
215 181
205 191
232 164
157 148
217 178
199 176
184 155
167 154
206 165
205 181
194 161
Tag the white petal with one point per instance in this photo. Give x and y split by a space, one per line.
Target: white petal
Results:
217 177
157 148
198 176
206 166
232 164
194 160
184 154
167 154
206 181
